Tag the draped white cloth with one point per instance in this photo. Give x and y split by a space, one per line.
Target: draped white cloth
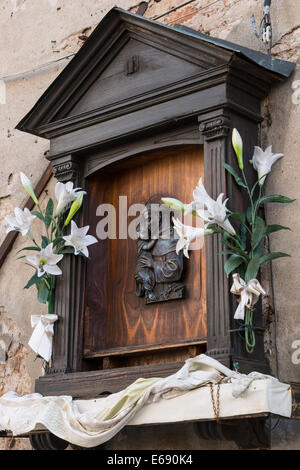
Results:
99 422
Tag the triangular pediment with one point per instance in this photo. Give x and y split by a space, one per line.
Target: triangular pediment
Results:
128 63
137 70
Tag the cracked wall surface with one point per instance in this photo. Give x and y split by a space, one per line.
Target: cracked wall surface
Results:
34 33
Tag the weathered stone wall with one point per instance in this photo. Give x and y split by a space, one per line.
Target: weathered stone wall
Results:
34 34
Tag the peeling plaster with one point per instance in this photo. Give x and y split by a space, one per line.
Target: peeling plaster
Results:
74 41
13 371
288 47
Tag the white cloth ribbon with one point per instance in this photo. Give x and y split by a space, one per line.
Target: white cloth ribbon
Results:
249 293
42 336
90 423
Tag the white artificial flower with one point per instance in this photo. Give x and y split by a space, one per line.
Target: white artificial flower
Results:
79 239
237 143
65 193
187 235
263 161
28 187
213 212
21 222
46 261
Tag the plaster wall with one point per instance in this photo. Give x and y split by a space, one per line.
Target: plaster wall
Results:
38 39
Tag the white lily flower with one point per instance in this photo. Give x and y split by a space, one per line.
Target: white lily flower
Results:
46 261
79 239
263 161
213 212
65 193
187 235
21 222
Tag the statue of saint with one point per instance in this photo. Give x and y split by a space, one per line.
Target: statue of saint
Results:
159 268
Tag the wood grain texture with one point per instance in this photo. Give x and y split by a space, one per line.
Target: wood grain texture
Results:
115 317
94 383
115 85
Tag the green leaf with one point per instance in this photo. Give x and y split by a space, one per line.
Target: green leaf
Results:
238 180
57 241
275 198
54 224
227 241
271 256
232 263
239 217
67 250
241 270
244 236
226 252
275 228
215 228
43 291
258 233
45 241
33 248
259 250
33 280
38 215
49 212
249 215
252 268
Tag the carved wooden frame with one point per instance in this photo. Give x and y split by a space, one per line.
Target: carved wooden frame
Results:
201 110
213 130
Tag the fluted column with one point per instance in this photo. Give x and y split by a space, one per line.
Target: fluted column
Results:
215 132
69 291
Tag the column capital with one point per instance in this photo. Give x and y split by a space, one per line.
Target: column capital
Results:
66 169
215 128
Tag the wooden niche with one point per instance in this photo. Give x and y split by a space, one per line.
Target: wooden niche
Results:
118 323
143 110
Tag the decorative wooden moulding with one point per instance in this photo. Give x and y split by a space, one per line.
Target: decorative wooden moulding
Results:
143 109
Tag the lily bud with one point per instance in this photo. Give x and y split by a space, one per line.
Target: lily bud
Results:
28 187
238 147
74 208
173 203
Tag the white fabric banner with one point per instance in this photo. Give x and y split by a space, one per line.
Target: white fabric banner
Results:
89 423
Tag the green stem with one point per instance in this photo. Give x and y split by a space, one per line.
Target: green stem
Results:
252 205
51 295
33 240
47 230
236 240
257 202
249 332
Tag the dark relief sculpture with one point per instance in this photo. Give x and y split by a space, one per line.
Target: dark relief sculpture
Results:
159 268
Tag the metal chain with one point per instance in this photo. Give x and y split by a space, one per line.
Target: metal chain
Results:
215 404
